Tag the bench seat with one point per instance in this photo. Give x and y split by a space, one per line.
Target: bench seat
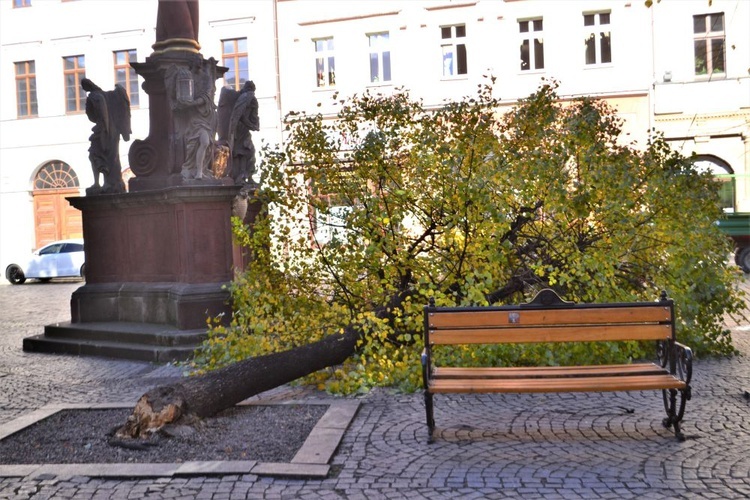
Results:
552 381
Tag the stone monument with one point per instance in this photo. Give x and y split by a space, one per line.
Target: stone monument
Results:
159 257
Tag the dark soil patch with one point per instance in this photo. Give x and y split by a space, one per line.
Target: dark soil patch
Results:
268 433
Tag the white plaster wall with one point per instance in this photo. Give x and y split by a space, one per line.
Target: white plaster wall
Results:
699 114
708 117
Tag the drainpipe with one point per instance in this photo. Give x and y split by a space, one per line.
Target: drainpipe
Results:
652 89
276 60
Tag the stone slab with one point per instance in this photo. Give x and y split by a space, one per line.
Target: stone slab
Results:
62 471
18 470
215 467
313 471
326 436
319 446
24 421
339 415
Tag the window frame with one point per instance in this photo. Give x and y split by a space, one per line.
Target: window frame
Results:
130 80
325 56
535 43
28 79
596 31
78 72
381 50
457 49
237 56
706 38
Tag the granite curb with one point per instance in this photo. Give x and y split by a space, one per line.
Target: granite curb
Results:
311 461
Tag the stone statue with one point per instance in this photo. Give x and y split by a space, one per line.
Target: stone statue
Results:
110 113
192 100
238 115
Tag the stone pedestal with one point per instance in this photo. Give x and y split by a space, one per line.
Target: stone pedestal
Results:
157 266
156 160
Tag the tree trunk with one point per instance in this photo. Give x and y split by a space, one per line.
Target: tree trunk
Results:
205 395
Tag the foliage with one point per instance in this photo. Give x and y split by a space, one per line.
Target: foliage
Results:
475 202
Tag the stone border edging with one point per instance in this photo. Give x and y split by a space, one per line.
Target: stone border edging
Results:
311 460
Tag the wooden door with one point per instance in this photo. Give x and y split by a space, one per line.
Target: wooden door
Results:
54 217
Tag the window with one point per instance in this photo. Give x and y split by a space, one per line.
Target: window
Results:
234 57
52 249
325 66
125 75
454 50
380 58
55 175
532 48
708 30
725 176
26 89
72 247
329 225
21 3
74 69
598 39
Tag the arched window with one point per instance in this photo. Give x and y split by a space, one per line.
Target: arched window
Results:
55 175
724 174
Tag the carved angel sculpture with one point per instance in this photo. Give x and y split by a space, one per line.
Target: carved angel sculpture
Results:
110 113
238 115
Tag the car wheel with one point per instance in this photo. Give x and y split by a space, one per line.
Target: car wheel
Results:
83 271
743 259
14 274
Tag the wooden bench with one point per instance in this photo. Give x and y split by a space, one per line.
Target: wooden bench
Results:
547 318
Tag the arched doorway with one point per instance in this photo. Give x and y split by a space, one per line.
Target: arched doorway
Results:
54 218
723 172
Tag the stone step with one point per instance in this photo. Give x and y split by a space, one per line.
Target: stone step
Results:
123 340
139 352
126 332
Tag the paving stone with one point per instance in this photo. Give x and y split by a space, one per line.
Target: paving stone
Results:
522 446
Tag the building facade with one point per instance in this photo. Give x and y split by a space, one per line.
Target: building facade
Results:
680 67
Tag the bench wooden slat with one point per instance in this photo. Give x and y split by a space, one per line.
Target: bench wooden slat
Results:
514 334
530 317
572 384
509 372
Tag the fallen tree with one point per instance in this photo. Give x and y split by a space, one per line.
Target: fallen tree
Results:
205 395
477 202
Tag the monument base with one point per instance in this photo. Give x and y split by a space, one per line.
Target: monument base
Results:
156 343
157 266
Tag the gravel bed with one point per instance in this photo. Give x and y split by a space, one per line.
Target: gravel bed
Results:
266 433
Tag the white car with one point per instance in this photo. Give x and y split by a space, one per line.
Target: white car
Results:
59 259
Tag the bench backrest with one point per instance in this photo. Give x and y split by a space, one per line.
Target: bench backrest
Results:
556 322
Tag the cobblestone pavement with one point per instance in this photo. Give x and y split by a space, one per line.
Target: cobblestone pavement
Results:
489 446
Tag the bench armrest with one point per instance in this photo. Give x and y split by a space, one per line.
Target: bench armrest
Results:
683 356
678 360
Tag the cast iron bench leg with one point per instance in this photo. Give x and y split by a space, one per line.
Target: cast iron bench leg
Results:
674 416
430 417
